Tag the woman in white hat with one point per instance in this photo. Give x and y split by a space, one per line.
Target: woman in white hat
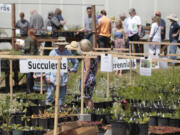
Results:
173 34
90 72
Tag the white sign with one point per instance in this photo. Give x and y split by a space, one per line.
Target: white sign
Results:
20 42
123 64
40 65
145 67
18 33
106 63
5 8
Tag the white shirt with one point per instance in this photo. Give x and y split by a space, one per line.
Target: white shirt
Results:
132 25
155 32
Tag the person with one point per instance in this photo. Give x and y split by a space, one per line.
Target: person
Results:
173 34
119 41
89 79
155 36
58 15
87 26
48 27
36 22
51 76
47 22
163 25
134 28
23 25
30 48
37 81
123 19
163 31
104 30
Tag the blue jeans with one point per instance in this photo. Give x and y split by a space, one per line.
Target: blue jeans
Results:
50 90
172 50
89 37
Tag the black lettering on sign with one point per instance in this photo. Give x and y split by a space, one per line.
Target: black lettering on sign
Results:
30 65
64 65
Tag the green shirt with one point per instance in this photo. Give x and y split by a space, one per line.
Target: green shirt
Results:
30 47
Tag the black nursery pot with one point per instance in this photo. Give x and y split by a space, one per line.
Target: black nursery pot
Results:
6 133
28 132
174 122
17 132
143 129
50 123
35 122
119 127
153 121
163 121
133 129
43 123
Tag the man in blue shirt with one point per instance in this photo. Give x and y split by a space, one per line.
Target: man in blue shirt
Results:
173 34
51 77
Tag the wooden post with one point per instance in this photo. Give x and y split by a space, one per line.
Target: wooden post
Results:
11 80
41 80
58 78
13 25
94 25
107 92
82 86
130 54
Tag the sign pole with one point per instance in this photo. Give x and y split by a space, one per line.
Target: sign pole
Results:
41 80
11 80
107 92
130 53
94 25
58 78
13 25
82 86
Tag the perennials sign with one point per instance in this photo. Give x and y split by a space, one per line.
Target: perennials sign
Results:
41 65
123 64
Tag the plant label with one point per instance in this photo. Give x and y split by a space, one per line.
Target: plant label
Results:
146 67
106 63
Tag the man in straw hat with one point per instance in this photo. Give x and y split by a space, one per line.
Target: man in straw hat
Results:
173 34
51 77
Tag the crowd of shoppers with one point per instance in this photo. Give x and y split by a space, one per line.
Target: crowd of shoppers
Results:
109 31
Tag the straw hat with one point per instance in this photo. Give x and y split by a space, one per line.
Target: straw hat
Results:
86 45
61 41
73 45
173 17
112 18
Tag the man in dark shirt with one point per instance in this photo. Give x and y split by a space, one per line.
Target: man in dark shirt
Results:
173 34
23 25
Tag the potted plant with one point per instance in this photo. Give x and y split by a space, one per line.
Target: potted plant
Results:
119 126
